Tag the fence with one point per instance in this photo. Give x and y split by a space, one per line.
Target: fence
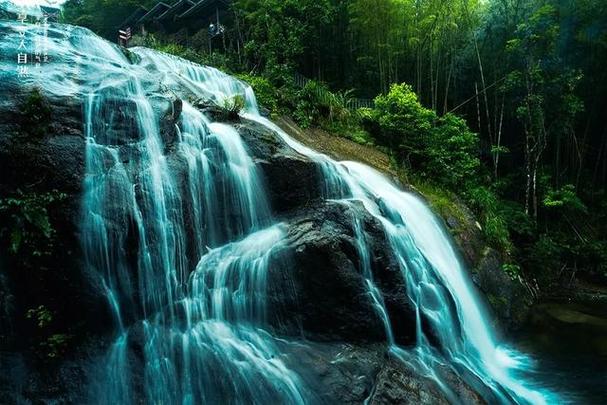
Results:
356 103
353 104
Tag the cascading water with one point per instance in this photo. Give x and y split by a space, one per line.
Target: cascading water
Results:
183 262
202 341
437 284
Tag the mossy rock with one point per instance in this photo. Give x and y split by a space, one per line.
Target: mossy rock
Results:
131 56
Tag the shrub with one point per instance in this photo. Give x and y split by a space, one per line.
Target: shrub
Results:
35 115
451 152
404 124
443 149
319 106
232 107
564 199
25 222
495 228
265 92
544 256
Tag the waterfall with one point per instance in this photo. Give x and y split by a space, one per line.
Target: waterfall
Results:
201 329
437 283
183 261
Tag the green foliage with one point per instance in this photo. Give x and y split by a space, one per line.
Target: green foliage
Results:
403 122
55 345
26 224
443 149
512 269
280 31
319 106
564 199
232 106
35 114
265 91
102 16
50 345
41 315
443 201
359 136
520 225
544 256
487 204
452 152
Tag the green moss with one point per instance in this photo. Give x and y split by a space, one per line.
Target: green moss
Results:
497 302
442 201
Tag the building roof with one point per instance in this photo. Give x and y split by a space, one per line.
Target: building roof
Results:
134 17
204 5
176 9
155 11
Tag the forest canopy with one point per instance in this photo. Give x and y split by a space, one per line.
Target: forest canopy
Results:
501 102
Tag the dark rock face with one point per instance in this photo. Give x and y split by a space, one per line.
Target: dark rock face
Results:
509 299
292 180
55 162
325 259
322 259
347 373
55 279
398 385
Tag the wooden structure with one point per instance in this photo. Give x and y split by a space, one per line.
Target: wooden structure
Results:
178 15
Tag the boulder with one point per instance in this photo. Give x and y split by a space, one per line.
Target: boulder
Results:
320 292
292 180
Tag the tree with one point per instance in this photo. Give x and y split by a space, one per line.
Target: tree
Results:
546 104
277 34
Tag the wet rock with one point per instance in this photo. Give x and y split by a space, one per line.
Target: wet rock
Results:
168 125
320 291
328 299
508 296
396 384
292 180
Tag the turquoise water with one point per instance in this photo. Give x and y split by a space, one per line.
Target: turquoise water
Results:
569 344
